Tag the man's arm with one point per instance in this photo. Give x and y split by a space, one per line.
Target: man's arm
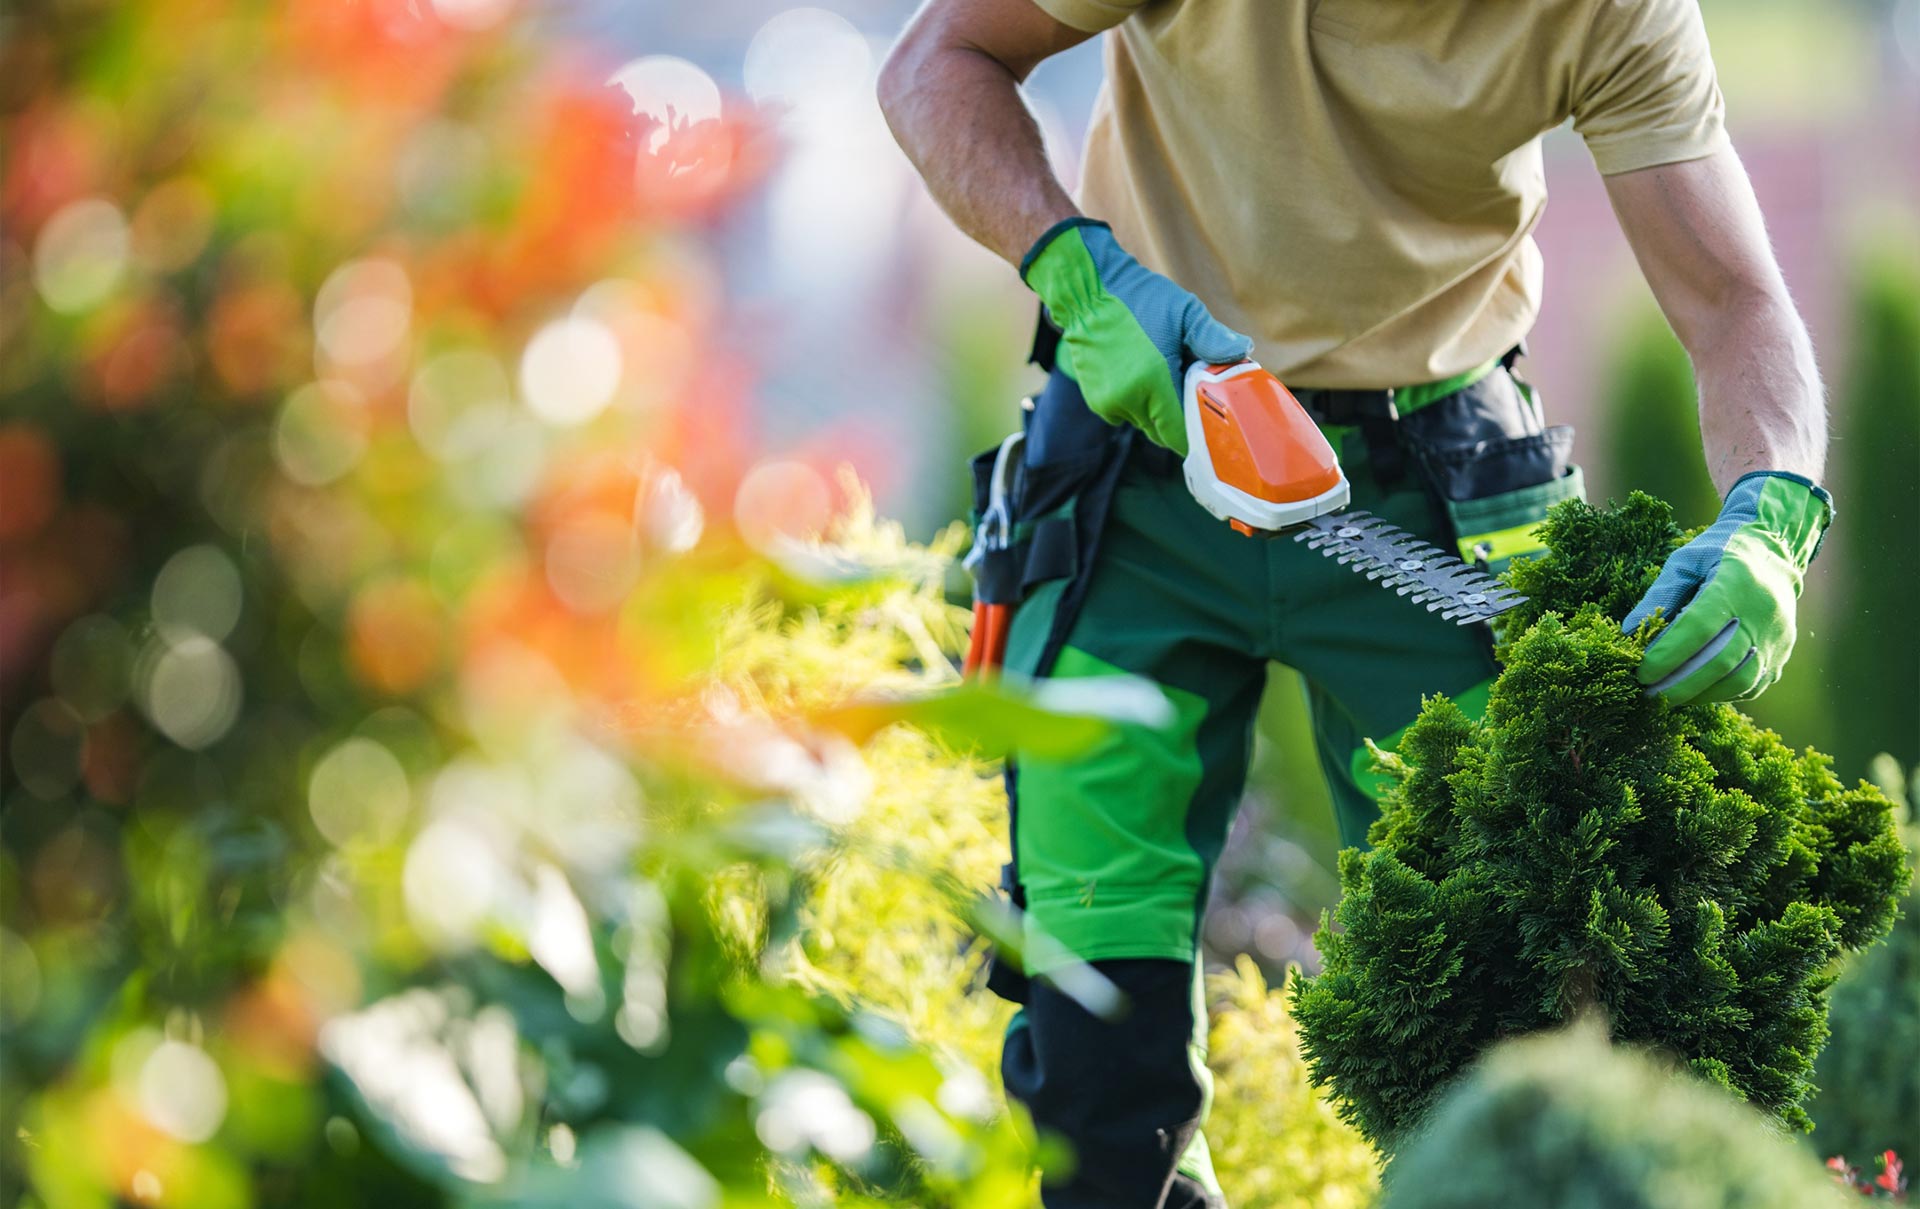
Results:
1697 232
1729 595
951 92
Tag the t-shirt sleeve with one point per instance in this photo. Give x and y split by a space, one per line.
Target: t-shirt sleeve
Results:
1090 16
1645 92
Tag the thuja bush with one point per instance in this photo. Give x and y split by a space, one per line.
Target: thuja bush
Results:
1585 848
1568 1121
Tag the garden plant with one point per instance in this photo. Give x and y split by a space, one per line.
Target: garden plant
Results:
1587 849
1581 1124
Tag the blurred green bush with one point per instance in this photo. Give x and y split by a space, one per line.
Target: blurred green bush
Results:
1869 1072
1876 648
1566 1120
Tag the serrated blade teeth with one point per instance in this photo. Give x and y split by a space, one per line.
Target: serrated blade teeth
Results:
1420 571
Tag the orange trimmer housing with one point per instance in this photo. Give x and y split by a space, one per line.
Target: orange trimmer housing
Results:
1255 459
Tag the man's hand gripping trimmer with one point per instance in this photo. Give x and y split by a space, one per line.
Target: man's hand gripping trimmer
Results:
1256 460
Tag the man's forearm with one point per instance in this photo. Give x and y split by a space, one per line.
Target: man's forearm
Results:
1761 403
1696 229
957 111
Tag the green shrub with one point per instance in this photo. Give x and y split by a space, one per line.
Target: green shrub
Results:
1567 1121
1877 649
1587 847
1869 1074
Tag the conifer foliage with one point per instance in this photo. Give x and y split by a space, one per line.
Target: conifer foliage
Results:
1585 849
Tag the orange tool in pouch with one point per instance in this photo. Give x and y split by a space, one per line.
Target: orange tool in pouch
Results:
993 586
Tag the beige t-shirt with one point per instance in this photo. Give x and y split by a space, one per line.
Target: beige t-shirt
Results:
1354 183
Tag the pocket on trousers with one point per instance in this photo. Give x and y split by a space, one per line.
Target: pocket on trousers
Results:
1496 529
1495 467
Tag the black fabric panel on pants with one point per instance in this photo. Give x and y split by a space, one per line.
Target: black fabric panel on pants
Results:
1122 1092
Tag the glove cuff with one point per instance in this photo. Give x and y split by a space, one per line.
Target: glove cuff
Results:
1052 233
1798 517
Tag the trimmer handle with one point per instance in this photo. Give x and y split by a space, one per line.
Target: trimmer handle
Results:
1255 459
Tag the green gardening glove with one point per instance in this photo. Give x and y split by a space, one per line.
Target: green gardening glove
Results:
1729 593
1127 333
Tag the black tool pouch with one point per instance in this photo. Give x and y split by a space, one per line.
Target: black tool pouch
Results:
1069 467
1494 464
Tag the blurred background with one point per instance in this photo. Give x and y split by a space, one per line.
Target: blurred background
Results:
406 411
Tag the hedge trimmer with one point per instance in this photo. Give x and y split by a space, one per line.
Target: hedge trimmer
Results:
1256 460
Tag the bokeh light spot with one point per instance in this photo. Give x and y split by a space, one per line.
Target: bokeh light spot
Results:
172 223
19 979
806 1108
806 57
81 254
781 499
569 371
459 404
191 691
593 561
472 14
45 747
449 882
198 591
672 93
512 696
182 1091
358 791
658 354
363 311
394 634
321 432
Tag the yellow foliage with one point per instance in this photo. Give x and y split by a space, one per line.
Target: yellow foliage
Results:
879 926
1277 1143
879 930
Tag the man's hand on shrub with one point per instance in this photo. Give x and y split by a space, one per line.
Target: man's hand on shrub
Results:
1730 593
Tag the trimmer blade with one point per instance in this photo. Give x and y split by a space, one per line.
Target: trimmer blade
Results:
1420 571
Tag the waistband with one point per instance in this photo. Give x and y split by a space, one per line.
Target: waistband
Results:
1352 408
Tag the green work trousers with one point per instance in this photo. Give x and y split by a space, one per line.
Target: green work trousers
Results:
1114 849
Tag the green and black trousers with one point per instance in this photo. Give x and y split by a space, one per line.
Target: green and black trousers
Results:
1114 571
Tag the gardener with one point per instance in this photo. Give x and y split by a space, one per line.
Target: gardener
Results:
1350 187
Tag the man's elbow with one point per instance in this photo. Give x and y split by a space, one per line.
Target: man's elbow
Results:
899 76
